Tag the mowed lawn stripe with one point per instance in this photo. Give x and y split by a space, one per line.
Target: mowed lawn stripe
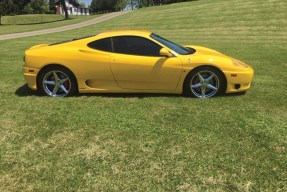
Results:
25 23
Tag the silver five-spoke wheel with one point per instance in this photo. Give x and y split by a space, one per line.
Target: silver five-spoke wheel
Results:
57 82
204 82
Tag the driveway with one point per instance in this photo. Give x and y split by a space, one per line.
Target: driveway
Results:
64 28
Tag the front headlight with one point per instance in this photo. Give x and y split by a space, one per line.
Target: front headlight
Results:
239 63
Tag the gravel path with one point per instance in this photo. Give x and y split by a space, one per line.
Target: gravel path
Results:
64 28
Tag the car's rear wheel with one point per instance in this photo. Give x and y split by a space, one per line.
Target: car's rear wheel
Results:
57 82
204 82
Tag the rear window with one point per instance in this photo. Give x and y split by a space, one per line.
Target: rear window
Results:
101 44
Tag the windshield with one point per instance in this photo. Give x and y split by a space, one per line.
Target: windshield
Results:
177 48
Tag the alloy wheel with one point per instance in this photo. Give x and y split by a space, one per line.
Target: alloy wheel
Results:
204 84
56 84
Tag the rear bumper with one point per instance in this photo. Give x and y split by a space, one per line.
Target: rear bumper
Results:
238 81
30 75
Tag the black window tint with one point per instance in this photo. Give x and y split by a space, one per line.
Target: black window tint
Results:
135 46
102 44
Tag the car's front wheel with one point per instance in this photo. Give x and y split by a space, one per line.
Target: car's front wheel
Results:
204 82
57 82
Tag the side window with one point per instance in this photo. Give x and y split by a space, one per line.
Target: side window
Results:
133 45
101 44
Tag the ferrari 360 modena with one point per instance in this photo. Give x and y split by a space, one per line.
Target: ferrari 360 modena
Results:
132 61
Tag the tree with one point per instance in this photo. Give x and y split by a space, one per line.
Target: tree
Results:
28 9
63 3
14 7
147 3
132 4
6 7
39 6
83 5
2 10
102 6
52 7
97 6
120 5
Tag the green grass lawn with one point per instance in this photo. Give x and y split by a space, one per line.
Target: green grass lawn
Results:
150 142
23 23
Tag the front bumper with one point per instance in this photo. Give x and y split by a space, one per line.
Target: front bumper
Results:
30 75
239 81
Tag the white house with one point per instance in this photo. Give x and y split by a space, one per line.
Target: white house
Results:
73 9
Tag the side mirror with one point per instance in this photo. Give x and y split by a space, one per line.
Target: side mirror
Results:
164 52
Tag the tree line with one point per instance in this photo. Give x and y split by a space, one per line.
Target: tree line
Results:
17 7
101 6
147 3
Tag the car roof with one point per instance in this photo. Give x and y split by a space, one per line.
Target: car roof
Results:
105 34
124 32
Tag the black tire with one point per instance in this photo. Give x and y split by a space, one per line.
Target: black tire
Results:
57 81
204 82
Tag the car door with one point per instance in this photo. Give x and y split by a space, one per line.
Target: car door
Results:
136 64
95 65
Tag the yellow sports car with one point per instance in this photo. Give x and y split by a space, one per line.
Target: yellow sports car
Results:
132 61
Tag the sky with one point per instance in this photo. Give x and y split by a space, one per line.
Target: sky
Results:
87 2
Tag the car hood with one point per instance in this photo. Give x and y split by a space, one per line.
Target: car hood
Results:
205 51
204 55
